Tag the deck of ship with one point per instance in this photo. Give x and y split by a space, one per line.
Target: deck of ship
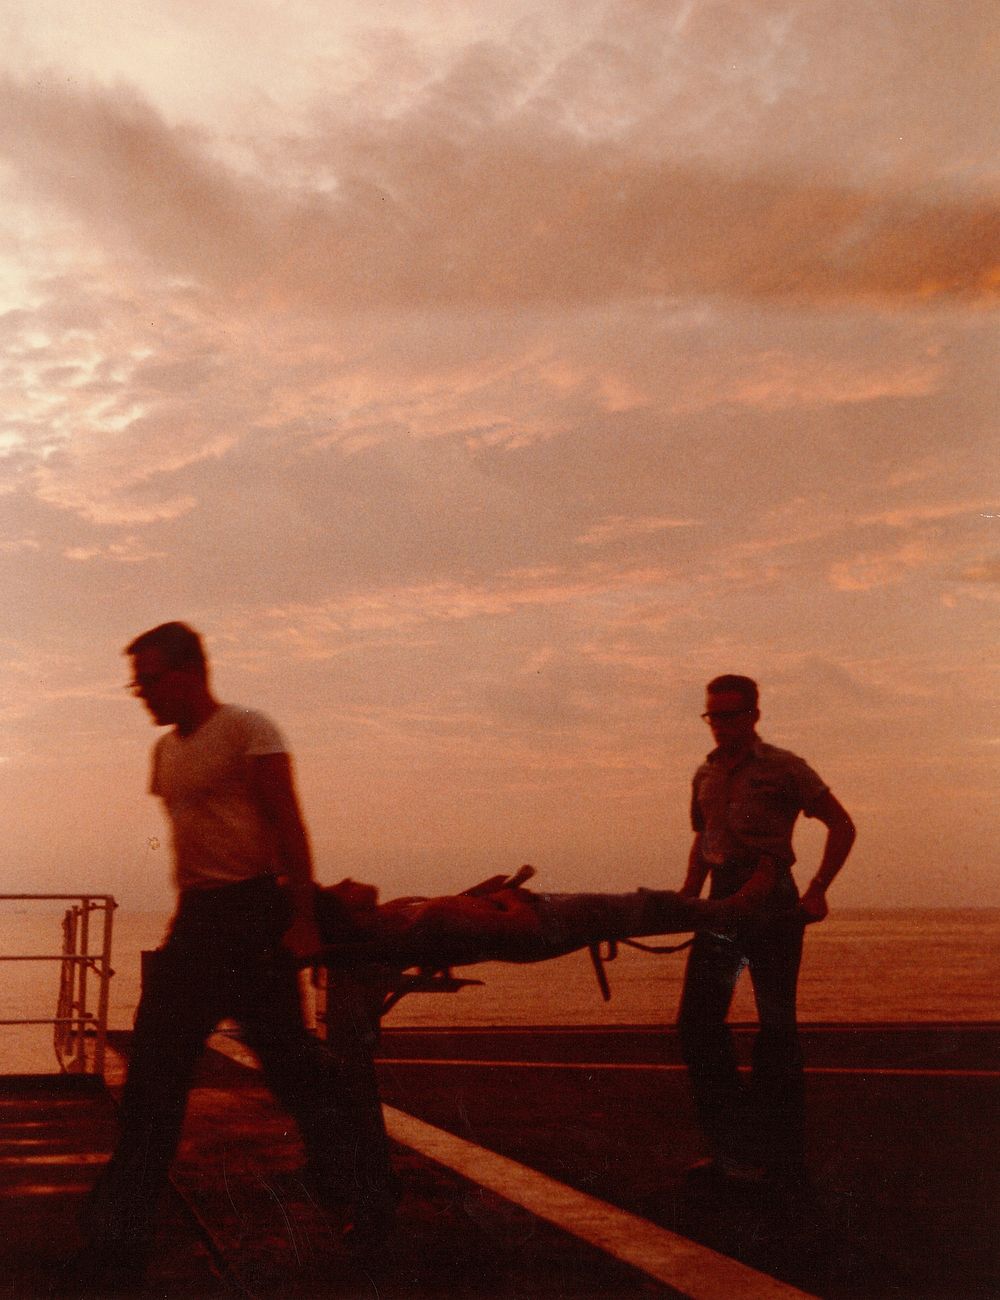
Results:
510 1143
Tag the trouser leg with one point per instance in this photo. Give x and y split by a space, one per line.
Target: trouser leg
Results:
174 1017
713 967
777 1094
334 1102
352 1032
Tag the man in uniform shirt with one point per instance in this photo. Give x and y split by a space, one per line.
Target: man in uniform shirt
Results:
746 797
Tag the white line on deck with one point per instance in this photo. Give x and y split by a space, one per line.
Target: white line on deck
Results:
867 1071
695 1271
63 1158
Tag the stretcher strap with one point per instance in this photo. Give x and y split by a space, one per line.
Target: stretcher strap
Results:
599 955
599 958
651 947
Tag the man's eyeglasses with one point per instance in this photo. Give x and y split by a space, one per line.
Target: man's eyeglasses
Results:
143 681
724 715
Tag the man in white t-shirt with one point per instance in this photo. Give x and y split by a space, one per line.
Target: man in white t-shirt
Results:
244 922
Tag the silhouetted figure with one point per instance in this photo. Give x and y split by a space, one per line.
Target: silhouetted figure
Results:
232 951
746 798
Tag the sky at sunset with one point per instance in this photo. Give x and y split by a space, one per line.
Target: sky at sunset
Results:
482 378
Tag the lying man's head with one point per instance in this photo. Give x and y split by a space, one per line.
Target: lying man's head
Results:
347 910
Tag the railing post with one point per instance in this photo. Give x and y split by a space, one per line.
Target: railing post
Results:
72 1016
67 986
80 1059
101 1041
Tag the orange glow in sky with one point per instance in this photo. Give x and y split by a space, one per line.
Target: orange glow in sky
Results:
480 380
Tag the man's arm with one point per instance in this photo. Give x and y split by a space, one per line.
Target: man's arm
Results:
839 839
697 871
274 790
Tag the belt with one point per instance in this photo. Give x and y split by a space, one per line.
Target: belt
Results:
224 898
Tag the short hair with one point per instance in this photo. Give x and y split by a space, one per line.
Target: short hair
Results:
745 687
180 645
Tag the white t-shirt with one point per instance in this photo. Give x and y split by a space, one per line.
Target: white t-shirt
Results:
219 835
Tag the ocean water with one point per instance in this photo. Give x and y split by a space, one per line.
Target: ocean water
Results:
857 966
898 965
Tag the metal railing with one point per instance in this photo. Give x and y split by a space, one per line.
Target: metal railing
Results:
79 1032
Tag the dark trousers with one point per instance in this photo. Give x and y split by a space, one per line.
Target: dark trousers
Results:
223 959
765 1122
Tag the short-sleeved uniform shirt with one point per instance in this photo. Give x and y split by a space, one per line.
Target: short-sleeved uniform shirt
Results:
219 834
749 810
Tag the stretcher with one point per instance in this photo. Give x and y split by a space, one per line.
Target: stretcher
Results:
416 943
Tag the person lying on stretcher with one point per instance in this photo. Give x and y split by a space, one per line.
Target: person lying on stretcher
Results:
500 920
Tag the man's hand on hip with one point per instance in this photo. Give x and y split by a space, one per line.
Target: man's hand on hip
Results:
813 905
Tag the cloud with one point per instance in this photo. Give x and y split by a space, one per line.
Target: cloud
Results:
323 629
872 571
105 400
127 551
621 527
471 198
908 516
783 380
987 571
107 507
482 382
